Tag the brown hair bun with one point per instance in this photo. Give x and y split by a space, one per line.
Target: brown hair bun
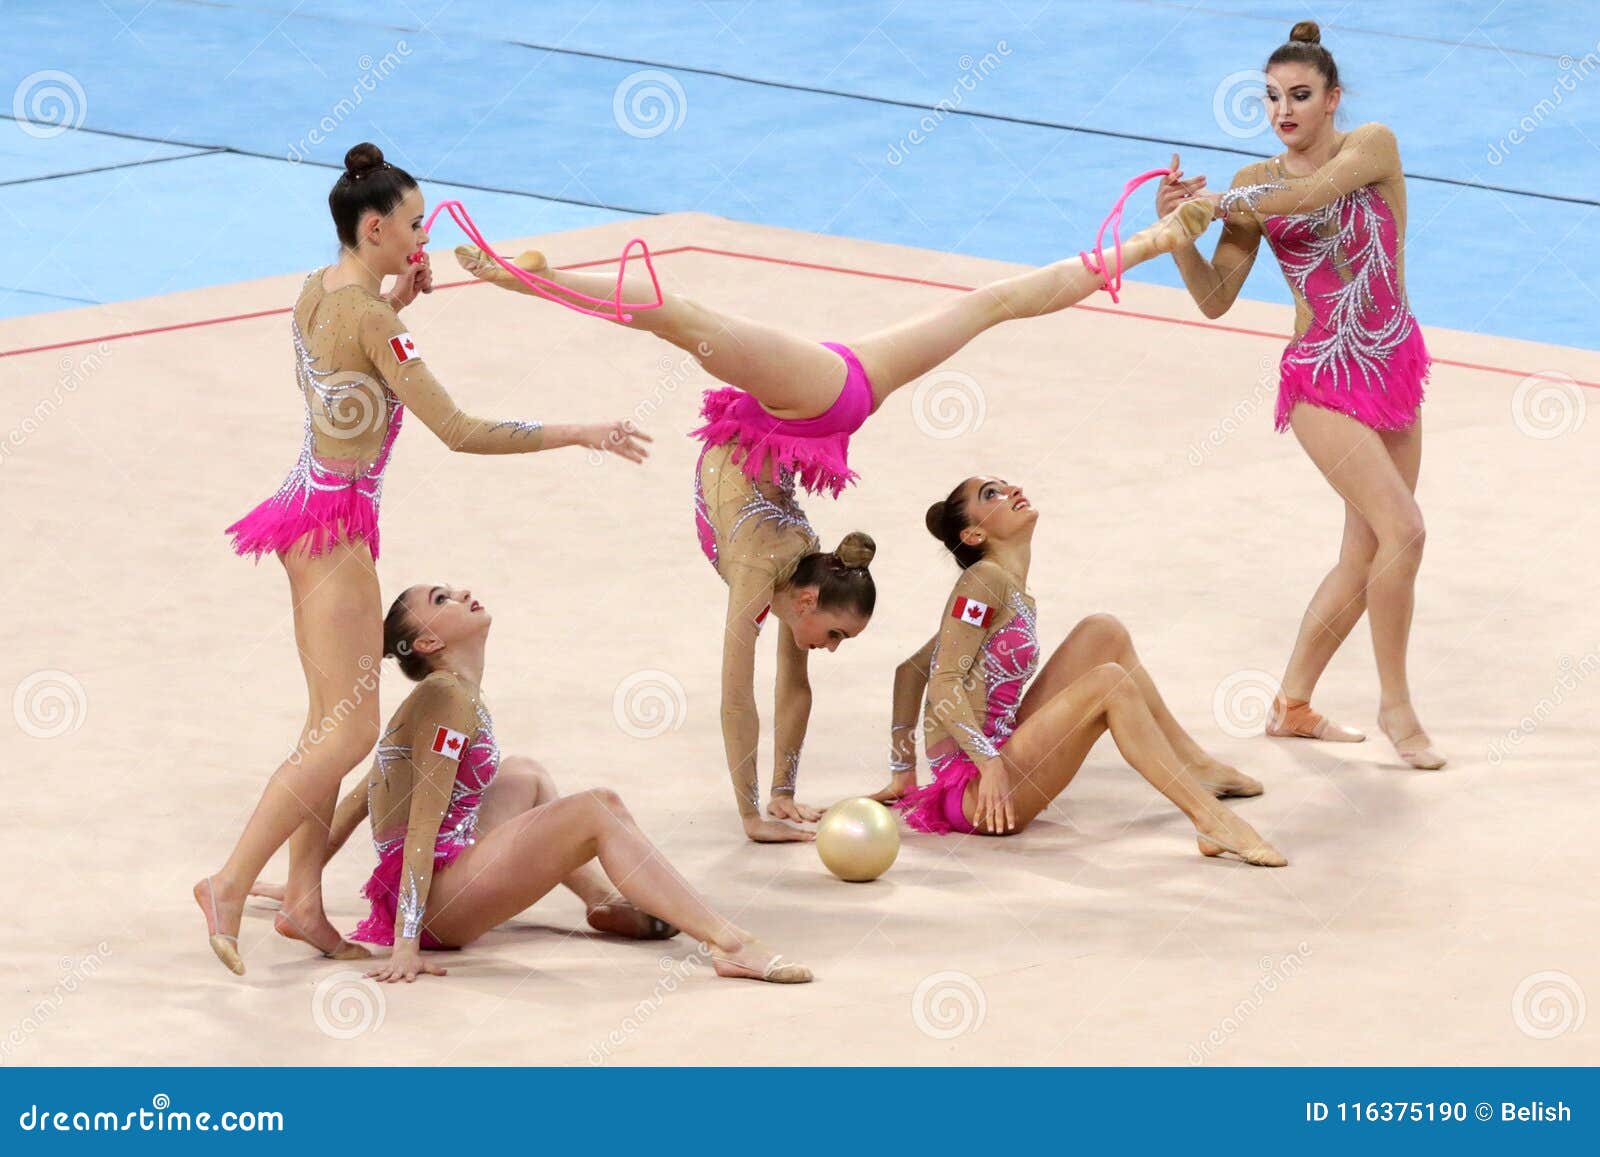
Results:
1305 32
855 550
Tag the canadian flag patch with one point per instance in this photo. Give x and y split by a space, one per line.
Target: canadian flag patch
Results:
404 349
449 743
972 611
762 617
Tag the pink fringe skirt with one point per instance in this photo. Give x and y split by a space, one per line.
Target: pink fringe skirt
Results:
383 890
1391 404
936 807
326 517
815 449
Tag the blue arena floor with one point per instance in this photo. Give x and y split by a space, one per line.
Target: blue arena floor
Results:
207 132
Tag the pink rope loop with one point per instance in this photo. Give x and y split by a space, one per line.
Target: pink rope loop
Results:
551 290
1097 263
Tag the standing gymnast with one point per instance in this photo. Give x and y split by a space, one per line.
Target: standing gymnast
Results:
441 880
358 370
787 417
1333 208
999 755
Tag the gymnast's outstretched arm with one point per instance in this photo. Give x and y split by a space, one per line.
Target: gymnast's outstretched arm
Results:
407 374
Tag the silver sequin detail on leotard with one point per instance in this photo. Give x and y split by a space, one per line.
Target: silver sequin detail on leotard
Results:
788 773
409 908
784 511
1247 196
981 743
1349 237
308 473
517 427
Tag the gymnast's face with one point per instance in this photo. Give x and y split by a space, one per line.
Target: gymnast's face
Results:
821 629
390 238
445 616
1300 103
997 510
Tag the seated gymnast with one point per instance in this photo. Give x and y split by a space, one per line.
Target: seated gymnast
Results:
999 756
445 876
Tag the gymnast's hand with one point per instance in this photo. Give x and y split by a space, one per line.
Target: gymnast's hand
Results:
1174 190
901 784
773 832
786 807
623 439
405 963
995 813
416 279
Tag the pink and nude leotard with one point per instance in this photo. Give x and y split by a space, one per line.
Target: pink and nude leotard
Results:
442 734
358 371
1338 235
980 662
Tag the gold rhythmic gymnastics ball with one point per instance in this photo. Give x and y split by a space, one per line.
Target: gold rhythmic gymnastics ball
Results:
858 839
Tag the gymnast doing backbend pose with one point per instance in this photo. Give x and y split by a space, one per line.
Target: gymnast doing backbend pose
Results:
358 371
1333 208
445 877
1000 756
786 417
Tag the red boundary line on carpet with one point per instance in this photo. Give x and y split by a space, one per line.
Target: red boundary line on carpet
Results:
1125 313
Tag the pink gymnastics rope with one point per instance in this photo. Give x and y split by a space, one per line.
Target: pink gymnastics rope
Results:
549 289
1097 263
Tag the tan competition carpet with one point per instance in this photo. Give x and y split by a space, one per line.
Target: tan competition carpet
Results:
1425 918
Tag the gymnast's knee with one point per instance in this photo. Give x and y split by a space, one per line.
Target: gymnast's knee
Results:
522 769
603 803
1105 631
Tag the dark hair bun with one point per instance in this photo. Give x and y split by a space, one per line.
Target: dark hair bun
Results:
1305 32
855 550
362 159
934 520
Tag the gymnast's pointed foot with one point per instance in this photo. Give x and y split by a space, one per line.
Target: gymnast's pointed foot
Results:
1181 226
223 915
1412 744
753 960
1223 780
485 268
1224 832
1294 719
316 930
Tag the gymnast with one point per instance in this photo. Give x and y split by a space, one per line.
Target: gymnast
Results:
1000 756
519 785
784 419
358 371
1333 208
444 879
